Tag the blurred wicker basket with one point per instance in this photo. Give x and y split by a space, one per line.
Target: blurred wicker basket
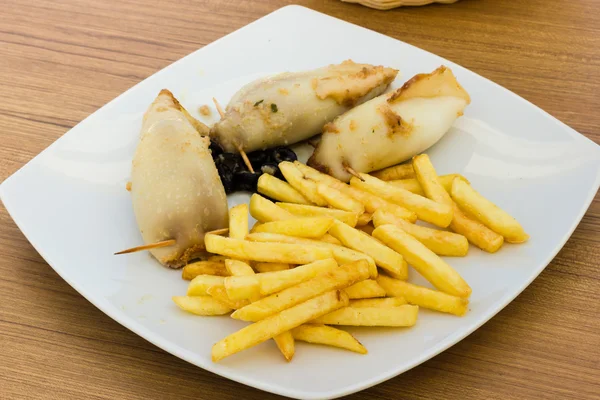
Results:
389 4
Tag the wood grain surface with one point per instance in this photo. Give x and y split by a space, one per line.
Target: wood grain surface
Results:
61 61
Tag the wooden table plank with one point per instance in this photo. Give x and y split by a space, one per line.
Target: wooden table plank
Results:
60 61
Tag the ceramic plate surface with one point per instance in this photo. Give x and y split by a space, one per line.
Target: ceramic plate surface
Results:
71 203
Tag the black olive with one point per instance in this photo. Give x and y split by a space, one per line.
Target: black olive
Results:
258 158
280 154
246 180
226 175
215 149
233 161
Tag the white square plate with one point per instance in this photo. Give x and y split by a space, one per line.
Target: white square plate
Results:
71 203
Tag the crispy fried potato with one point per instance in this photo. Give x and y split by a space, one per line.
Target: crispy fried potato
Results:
372 203
413 185
426 209
243 287
279 190
238 221
238 268
279 323
270 267
425 261
365 290
334 279
201 305
384 257
216 258
271 282
339 200
285 344
307 187
327 335
192 270
386 302
302 210
342 255
424 297
266 252
264 210
442 243
218 292
368 229
364 219
327 238
200 284
487 212
308 227
405 315
401 171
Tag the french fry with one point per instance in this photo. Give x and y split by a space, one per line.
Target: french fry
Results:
384 257
442 243
218 292
342 255
277 324
368 229
244 287
424 297
264 210
425 261
285 344
372 203
266 252
474 231
279 190
413 185
487 212
238 268
334 279
271 282
201 305
192 270
327 238
401 171
339 200
405 315
200 284
426 209
307 187
327 335
270 267
216 258
364 219
365 290
238 221
308 227
314 211
386 302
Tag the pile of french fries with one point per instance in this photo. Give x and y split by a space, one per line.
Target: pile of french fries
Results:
328 254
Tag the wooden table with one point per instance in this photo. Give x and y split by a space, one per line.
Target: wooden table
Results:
61 62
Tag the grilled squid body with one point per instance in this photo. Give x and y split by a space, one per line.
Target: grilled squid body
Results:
176 189
287 108
393 127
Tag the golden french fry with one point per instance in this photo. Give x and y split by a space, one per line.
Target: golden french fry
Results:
334 279
279 190
405 315
339 200
220 259
442 243
277 324
342 255
238 268
474 231
426 209
384 257
365 290
192 270
413 185
200 284
487 212
201 305
386 302
327 238
401 171
264 210
285 344
243 287
238 221
266 252
425 261
271 282
424 297
270 267
307 187
302 210
368 229
218 292
327 335
371 202
309 227
364 219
